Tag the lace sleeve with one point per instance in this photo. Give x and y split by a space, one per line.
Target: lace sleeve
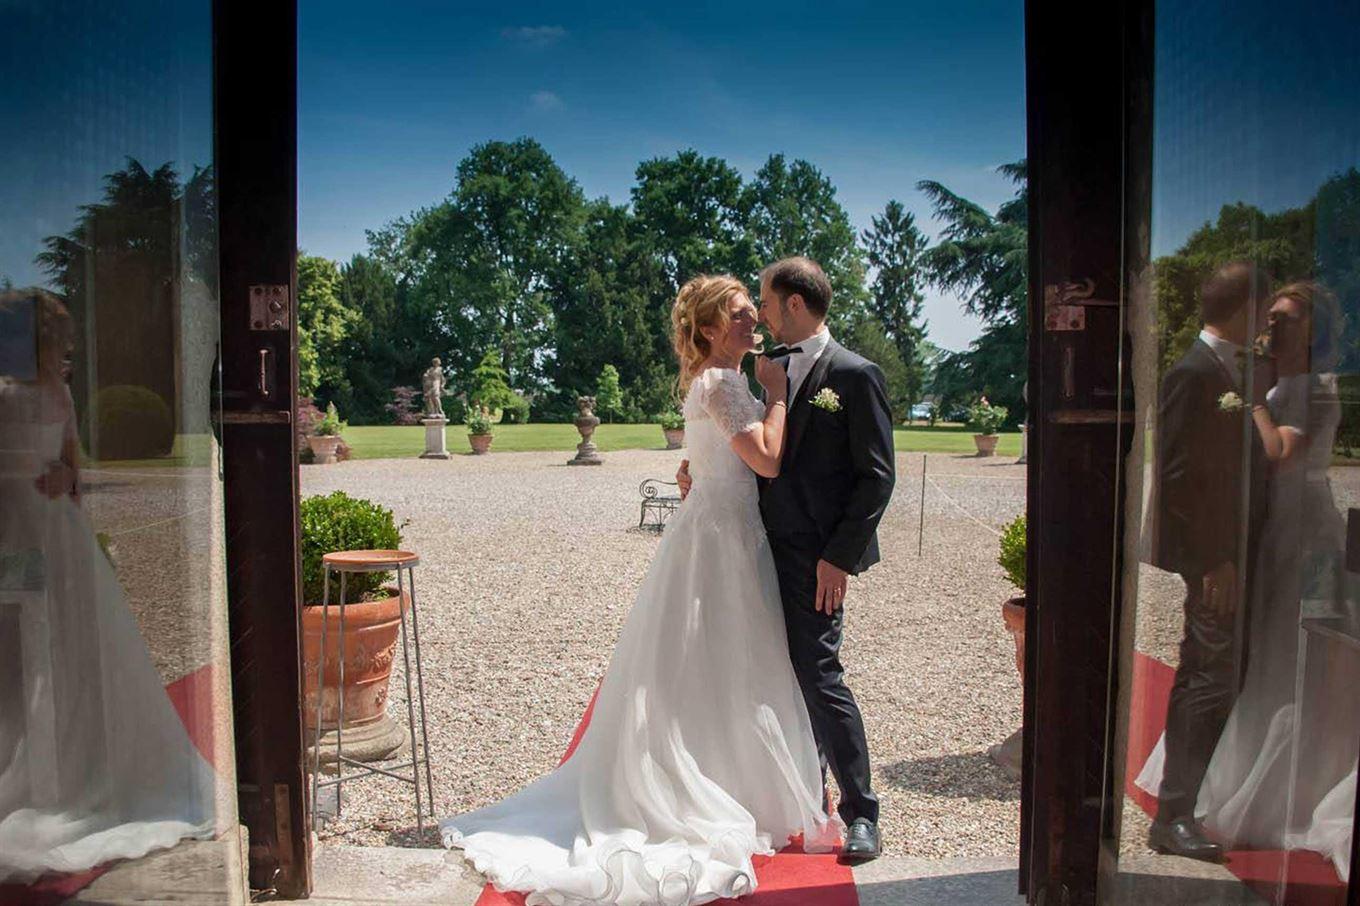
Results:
729 403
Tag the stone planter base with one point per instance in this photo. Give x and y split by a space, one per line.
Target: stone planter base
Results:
986 443
1007 755
377 741
1013 612
323 449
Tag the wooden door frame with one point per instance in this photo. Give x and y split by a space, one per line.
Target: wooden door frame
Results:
255 109
1077 128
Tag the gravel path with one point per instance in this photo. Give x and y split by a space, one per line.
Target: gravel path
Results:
529 569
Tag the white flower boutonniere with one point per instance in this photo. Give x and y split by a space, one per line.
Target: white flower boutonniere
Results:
1230 402
827 399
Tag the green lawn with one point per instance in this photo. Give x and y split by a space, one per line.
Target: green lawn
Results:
392 442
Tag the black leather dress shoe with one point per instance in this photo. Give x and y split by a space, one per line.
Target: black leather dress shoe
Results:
1184 838
861 841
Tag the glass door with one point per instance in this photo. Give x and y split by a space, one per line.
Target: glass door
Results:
1236 729
115 711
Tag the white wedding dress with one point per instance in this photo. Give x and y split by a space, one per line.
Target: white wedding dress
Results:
95 764
699 753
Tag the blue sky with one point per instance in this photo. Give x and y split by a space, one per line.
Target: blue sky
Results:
877 95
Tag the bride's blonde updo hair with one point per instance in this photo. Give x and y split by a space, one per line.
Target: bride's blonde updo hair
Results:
702 302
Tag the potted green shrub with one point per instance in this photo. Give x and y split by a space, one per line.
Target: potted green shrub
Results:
338 522
325 437
673 427
479 429
1011 559
985 420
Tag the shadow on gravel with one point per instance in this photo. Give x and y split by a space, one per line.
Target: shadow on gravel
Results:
968 775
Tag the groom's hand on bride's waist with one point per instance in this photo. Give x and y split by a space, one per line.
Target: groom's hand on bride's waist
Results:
683 479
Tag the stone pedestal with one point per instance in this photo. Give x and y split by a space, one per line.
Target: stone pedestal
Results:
1024 445
435 447
587 454
378 740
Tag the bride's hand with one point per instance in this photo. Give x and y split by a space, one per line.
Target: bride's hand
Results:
773 378
58 481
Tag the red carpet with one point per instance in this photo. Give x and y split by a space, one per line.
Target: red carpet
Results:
1312 879
788 878
192 697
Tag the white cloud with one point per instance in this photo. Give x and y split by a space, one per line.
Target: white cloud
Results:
543 101
534 35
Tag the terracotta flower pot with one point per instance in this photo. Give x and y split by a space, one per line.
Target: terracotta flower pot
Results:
675 438
1013 612
481 443
986 443
323 448
371 629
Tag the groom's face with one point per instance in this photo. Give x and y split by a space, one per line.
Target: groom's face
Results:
772 312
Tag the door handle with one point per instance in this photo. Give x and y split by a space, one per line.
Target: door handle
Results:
266 380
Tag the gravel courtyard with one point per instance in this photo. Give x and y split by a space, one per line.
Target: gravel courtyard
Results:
528 571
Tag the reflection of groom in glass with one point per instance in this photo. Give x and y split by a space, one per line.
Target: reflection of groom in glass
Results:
1210 497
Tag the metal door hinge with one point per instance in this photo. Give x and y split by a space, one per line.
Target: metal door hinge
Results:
269 307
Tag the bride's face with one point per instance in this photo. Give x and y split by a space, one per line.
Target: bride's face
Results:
741 336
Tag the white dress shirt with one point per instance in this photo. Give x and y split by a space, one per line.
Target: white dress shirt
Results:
800 363
1228 352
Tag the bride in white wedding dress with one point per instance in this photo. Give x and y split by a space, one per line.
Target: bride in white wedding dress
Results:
699 753
95 764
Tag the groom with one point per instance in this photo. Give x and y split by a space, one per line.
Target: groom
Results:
821 516
1211 492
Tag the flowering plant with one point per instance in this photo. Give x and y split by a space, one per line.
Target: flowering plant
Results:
1230 402
984 418
479 421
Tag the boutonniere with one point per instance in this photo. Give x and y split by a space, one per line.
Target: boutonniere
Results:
1230 402
827 399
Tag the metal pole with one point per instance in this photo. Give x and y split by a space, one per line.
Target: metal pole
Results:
921 525
320 691
410 705
340 721
420 690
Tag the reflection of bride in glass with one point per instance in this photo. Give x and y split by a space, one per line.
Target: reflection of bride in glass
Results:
1281 724
1276 781
95 764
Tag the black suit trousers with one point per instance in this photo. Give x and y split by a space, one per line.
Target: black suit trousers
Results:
814 646
1202 696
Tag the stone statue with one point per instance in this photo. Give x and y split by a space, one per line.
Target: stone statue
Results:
433 381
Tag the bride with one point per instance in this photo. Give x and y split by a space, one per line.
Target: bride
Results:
95 764
699 753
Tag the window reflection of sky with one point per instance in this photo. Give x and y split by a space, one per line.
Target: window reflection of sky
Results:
1254 103
119 80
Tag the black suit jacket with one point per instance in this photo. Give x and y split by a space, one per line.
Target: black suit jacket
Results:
1208 461
837 469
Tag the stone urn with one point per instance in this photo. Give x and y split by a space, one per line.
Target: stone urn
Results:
587 454
371 629
675 438
481 443
986 443
323 448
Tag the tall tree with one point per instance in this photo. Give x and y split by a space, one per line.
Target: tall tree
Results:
894 247
323 325
514 216
982 258
793 210
693 212
613 307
